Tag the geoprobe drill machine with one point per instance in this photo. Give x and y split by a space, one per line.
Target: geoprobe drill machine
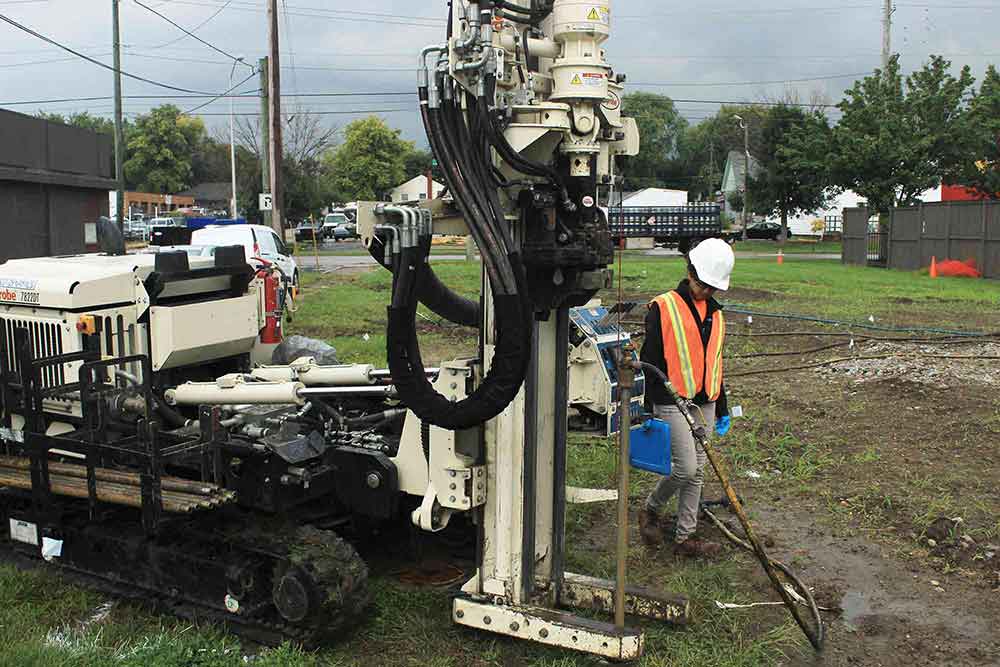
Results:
144 447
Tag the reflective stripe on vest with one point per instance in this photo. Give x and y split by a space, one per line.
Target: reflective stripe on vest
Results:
689 364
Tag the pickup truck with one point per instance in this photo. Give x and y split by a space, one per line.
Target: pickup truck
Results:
680 227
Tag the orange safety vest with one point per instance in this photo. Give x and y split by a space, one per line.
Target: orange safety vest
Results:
691 366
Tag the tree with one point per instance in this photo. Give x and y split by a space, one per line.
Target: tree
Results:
980 171
160 145
306 187
83 120
895 142
661 128
791 181
706 146
370 162
419 161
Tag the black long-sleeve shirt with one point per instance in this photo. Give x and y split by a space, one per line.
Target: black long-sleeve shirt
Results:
652 352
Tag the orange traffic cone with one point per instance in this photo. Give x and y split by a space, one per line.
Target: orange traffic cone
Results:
934 273
781 257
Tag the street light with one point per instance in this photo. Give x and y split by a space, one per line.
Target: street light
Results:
232 138
746 169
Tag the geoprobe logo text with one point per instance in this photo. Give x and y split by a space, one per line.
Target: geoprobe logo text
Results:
8 295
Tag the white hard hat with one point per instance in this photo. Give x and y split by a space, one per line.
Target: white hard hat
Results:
713 260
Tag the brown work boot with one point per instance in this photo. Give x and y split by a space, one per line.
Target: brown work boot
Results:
649 527
695 547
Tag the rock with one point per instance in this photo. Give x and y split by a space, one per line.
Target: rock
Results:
934 582
942 529
295 347
931 543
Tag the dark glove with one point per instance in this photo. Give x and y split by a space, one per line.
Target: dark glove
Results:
722 425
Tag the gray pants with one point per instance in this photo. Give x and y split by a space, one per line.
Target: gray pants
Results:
687 469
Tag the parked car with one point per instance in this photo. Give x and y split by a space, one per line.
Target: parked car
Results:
332 221
307 231
136 229
765 230
345 232
260 242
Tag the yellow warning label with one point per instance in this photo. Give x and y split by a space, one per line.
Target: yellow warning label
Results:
576 80
593 15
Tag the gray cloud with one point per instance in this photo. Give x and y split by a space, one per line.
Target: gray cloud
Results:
683 45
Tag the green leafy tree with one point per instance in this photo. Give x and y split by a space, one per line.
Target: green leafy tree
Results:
419 161
83 120
706 146
661 128
370 162
160 147
791 180
980 170
894 141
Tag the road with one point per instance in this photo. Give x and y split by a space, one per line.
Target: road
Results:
335 263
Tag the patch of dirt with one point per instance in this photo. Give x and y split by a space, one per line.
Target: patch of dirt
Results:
910 446
973 364
743 294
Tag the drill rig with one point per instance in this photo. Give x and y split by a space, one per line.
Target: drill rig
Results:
223 484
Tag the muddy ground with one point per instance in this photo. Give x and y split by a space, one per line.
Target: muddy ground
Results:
889 503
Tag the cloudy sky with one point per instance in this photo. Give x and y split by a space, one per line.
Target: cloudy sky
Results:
700 52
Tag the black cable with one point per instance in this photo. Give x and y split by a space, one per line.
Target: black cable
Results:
214 99
24 28
190 33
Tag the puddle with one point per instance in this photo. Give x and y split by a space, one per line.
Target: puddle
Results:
854 605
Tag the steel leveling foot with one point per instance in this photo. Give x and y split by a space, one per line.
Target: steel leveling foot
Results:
554 628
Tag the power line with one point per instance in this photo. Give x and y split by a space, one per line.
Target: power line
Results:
196 96
746 12
49 40
340 15
754 83
194 36
225 94
196 28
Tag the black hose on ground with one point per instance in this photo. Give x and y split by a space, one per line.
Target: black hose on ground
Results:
815 635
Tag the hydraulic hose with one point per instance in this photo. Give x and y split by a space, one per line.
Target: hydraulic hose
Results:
497 390
434 294
475 196
815 635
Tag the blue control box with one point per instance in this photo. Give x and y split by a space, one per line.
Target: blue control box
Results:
650 446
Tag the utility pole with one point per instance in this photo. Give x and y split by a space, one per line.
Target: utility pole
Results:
274 119
746 171
265 133
886 34
711 171
233 212
119 123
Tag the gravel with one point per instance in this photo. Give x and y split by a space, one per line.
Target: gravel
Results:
922 369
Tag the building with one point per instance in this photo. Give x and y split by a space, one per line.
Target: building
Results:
210 196
54 183
415 189
152 205
832 215
732 180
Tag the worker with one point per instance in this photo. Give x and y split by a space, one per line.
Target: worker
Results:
685 333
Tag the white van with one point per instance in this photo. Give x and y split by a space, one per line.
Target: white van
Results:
258 241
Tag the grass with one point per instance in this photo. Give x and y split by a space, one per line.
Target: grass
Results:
829 289
45 621
344 308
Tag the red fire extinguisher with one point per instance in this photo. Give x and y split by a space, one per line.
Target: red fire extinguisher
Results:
273 306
